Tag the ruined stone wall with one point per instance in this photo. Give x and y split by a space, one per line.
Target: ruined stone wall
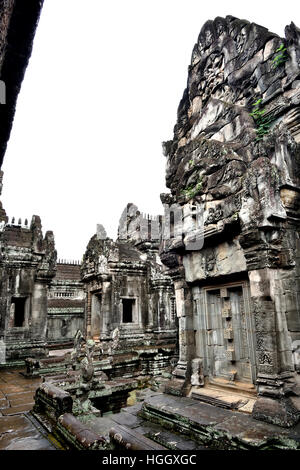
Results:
124 272
27 265
117 274
234 160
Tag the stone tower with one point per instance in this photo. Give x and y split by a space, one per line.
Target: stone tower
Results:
235 160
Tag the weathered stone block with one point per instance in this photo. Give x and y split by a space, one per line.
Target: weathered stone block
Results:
281 412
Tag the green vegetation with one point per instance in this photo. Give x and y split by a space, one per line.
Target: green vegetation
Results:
281 57
263 122
191 191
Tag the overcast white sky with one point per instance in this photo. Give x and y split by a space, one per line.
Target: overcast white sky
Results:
99 96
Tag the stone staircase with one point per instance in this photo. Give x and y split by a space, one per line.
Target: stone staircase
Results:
233 396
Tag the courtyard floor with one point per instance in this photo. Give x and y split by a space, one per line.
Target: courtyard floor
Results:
18 429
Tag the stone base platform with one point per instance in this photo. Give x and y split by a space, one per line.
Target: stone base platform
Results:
216 428
140 432
146 360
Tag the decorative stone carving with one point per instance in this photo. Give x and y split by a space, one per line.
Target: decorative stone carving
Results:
76 352
115 340
197 377
86 365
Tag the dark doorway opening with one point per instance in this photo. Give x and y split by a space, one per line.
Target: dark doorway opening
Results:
19 318
128 305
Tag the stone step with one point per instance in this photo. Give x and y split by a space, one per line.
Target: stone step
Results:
216 427
169 439
230 404
223 398
243 388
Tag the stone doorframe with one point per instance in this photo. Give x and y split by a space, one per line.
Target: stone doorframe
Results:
202 323
186 296
276 402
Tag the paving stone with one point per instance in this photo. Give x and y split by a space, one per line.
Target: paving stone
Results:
250 431
21 401
17 409
235 424
7 388
4 404
30 443
169 439
127 419
143 394
170 400
10 423
205 415
18 433
134 409
18 396
190 409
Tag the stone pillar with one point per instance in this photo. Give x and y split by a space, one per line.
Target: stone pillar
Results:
163 312
38 318
273 404
106 309
88 307
181 383
4 303
151 322
200 328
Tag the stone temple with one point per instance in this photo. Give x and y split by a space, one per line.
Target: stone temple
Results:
236 154
184 333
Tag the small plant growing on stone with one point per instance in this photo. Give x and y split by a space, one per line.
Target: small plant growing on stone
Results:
263 122
191 191
281 57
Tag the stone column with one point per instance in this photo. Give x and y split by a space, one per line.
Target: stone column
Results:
38 318
106 309
4 301
181 383
273 405
151 322
88 306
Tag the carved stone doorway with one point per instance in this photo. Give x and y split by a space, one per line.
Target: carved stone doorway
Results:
225 334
